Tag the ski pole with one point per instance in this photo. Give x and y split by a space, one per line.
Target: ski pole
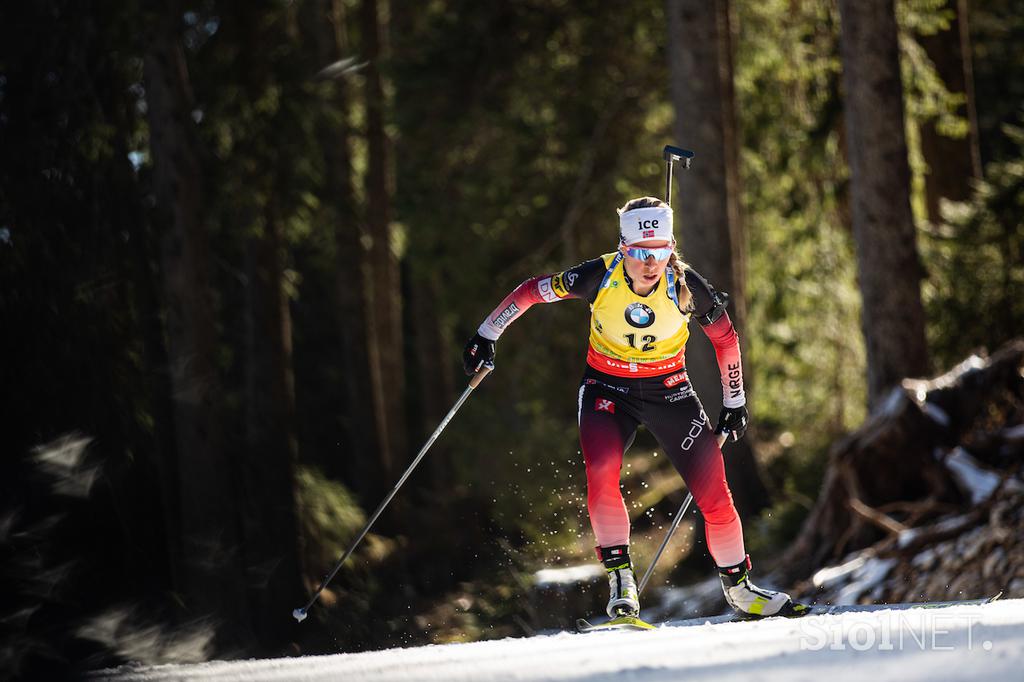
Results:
671 530
300 613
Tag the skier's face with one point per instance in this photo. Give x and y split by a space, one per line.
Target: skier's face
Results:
646 273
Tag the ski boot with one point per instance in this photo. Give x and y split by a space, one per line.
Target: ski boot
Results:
751 601
624 598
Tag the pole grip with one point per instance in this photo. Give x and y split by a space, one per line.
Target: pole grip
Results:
479 376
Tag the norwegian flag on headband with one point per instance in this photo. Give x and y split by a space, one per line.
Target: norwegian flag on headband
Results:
640 224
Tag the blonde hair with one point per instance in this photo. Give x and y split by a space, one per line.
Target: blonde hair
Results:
675 261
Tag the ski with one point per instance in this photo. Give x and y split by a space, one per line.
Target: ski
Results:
825 609
792 610
619 623
796 610
833 609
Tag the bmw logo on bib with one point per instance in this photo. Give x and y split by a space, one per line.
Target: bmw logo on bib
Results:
639 315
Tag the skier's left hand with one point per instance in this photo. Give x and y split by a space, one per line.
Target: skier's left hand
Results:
732 420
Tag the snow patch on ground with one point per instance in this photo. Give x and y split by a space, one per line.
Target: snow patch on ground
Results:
830 576
692 600
867 581
948 643
949 523
977 480
1014 433
892 403
860 576
936 413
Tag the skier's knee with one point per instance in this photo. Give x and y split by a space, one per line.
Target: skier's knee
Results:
603 470
718 508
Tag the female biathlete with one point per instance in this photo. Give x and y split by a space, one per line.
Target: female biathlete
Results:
641 299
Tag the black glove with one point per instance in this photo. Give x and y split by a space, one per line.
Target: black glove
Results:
478 353
732 420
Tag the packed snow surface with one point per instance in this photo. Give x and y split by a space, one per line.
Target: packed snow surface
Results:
947 643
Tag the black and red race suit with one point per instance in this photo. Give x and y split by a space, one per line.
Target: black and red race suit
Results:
636 375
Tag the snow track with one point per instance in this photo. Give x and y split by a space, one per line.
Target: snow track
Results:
948 643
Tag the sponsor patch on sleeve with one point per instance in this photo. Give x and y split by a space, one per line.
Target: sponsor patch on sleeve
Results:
558 285
546 291
505 316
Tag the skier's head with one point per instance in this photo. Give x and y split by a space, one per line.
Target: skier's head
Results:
645 219
646 241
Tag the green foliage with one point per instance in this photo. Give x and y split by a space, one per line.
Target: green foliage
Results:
926 99
997 32
975 290
977 247
328 515
798 472
806 355
524 181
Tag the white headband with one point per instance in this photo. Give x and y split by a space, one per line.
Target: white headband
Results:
641 224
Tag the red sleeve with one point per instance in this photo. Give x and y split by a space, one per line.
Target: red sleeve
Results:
579 281
514 305
723 337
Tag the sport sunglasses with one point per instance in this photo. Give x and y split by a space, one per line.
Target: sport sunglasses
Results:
643 254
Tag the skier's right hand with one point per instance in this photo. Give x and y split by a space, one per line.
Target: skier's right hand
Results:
479 353
732 422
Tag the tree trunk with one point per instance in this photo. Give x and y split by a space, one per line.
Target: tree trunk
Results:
142 251
883 227
358 416
268 449
383 312
208 525
952 162
268 464
436 390
711 234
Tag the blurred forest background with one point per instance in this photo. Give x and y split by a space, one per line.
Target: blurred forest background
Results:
242 245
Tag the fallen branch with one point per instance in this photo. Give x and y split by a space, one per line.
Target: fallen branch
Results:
886 523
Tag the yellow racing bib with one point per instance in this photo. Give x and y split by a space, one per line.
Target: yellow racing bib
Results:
633 328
